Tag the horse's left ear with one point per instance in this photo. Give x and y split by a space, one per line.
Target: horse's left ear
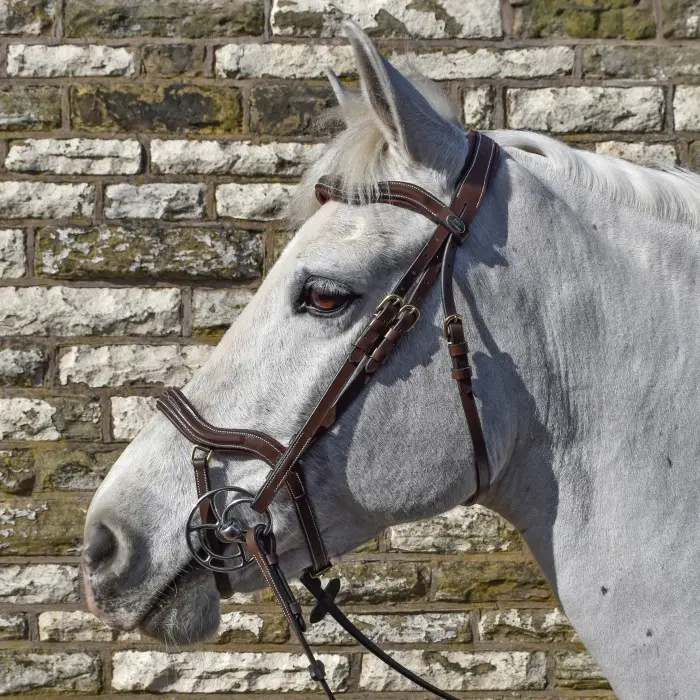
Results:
405 117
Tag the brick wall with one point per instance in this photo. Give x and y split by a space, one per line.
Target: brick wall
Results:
145 148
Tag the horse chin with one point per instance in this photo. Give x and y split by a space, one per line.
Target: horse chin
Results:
187 612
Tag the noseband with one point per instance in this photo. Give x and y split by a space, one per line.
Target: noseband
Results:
216 539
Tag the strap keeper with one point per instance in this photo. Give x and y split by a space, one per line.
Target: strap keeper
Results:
457 349
462 373
317 670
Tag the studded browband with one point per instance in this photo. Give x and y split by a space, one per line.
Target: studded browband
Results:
395 316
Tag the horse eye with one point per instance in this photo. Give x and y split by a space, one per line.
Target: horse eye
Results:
325 301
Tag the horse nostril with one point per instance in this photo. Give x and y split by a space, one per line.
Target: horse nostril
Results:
100 546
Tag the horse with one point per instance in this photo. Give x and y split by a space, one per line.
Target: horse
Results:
579 281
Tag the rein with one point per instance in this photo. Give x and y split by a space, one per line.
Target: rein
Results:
216 539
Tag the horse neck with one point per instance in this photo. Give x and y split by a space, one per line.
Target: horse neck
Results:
587 329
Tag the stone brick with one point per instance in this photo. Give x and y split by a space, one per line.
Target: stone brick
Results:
694 155
577 670
173 60
586 109
459 670
639 152
42 527
13 626
38 584
19 17
584 19
489 581
424 628
177 157
78 626
138 251
261 201
46 200
13 260
681 18
75 469
473 529
157 108
186 18
442 19
645 62
685 108
66 311
75 156
252 628
20 367
216 309
49 419
479 104
17 473
160 200
130 414
131 365
54 673
24 108
517 625
39 61
221 672
288 110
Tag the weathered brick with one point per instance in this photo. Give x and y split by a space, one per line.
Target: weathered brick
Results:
177 157
22 367
459 670
261 201
186 18
586 109
173 60
79 311
75 469
39 61
78 626
441 19
130 414
17 473
221 672
423 628
45 526
13 260
75 156
216 309
24 108
53 673
252 628
138 251
19 17
288 110
38 584
639 152
13 626
645 62
577 670
517 625
473 529
479 104
489 581
160 200
131 365
681 18
685 108
49 419
170 108
606 19
45 200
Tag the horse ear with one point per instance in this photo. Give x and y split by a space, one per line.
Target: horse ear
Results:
340 91
405 117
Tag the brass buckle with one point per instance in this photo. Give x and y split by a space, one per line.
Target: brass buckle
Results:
390 299
207 456
409 308
454 318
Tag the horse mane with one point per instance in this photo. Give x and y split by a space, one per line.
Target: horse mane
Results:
357 154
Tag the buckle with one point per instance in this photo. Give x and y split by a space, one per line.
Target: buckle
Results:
389 299
454 318
409 308
207 453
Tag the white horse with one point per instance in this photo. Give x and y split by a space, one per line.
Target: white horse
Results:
581 278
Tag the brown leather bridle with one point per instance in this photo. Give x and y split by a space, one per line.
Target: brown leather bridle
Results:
216 539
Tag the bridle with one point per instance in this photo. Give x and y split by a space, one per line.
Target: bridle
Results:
216 539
